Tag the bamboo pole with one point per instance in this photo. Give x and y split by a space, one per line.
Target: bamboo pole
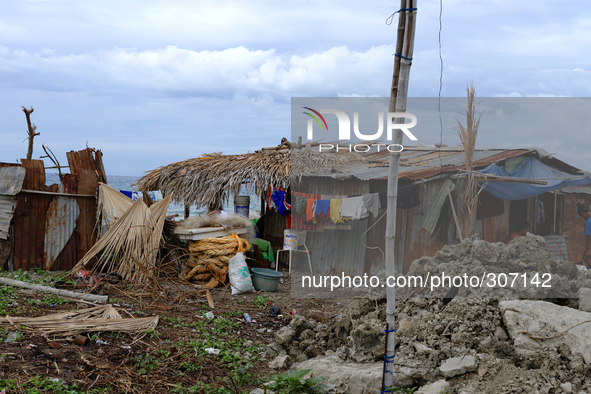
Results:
398 95
101 299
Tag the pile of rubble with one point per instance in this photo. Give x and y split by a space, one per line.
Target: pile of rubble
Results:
472 345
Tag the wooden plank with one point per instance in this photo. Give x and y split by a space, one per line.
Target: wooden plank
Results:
57 194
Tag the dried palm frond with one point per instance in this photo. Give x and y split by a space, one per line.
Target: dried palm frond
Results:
211 180
112 205
98 319
134 237
468 137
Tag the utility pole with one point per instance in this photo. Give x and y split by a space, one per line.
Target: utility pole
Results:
398 96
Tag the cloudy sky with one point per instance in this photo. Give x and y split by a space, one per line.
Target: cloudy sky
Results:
153 82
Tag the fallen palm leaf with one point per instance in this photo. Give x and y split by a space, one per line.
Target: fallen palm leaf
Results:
102 318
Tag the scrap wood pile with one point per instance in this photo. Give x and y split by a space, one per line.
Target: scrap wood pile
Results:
209 259
130 236
102 318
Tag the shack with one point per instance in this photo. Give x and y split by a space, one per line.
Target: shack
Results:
424 170
356 247
50 227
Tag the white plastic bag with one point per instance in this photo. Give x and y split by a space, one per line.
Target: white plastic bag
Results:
239 275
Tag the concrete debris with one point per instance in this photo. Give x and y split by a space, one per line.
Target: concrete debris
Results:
458 366
471 345
347 377
280 362
536 325
439 387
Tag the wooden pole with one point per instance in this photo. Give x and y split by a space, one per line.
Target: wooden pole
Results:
31 131
398 95
453 210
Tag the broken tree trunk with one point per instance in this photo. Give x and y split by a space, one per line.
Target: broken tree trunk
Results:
101 299
398 95
31 131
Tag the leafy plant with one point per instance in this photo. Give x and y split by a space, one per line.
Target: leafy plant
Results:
145 363
261 301
293 382
407 391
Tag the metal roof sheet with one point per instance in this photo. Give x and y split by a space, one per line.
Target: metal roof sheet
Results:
11 180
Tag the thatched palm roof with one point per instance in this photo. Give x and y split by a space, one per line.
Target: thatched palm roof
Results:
212 179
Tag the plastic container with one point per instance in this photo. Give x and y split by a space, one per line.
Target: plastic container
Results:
208 315
265 279
290 239
242 205
247 318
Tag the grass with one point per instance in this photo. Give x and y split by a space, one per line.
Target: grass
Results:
37 385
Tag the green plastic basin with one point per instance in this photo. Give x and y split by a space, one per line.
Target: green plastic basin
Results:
265 279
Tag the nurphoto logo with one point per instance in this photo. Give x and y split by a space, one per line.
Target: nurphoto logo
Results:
345 129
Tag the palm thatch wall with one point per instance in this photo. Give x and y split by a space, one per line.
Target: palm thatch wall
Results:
210 180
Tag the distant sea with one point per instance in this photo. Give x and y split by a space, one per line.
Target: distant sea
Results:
119 182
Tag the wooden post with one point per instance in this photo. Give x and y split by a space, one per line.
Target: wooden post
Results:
453 210
31 131
398 95
187 210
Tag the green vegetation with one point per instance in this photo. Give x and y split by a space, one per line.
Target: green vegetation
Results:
261 301
37 385
407 391
293 382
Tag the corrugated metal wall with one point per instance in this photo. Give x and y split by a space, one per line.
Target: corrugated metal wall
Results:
335 251
59 237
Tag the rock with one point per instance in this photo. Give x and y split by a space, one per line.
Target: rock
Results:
300 323
280 362
501 334
285 335
261 391
366 342
275 349
248 344
458 366
439 387
584 294
359 378
422 349
545 319
405 325
567 388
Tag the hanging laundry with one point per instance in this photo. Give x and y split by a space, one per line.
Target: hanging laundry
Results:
408 197
276 199
335 210
541 212
300 205
322 209
310 210
372 203
353 208
270 202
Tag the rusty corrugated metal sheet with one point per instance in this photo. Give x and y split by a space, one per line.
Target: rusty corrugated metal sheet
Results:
87 159
11 180
29 217
60 223
7 207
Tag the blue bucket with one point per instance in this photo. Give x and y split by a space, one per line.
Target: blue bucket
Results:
265 279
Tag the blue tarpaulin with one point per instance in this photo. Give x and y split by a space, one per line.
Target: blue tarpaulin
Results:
530 168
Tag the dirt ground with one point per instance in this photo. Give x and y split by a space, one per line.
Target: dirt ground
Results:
171 358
